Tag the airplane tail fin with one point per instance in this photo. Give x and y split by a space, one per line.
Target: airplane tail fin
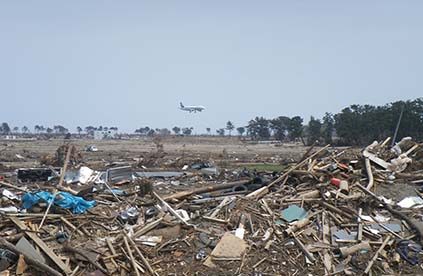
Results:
182 106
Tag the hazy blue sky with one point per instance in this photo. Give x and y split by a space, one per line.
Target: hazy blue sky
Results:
130 63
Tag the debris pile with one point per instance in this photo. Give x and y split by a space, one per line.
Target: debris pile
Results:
322 215
59 158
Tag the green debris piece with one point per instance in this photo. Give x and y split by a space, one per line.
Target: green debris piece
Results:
293 212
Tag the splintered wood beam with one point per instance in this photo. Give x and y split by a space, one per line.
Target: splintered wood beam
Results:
41 245
369 173
369 266
29 259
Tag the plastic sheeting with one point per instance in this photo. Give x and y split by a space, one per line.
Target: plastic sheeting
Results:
65 200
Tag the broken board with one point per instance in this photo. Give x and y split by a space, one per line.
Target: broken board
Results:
42 245
229 247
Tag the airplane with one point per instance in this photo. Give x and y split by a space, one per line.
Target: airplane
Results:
194 109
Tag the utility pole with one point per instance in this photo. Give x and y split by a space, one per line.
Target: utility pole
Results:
398 125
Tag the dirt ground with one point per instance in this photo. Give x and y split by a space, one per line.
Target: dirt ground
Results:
113 150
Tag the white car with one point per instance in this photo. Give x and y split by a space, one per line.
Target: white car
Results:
92 148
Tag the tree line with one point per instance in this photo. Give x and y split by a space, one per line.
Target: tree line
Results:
5 129
353 125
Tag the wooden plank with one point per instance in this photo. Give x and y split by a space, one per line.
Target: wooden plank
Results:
369 266
73 227
219 207
327 258
147 228
62 177
307 253
131 257
376 159
8 185
29 259
206 189
42 245
360 225
369 173
113 251
145 261
265 189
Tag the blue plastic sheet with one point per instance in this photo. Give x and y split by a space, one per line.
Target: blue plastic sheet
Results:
76 204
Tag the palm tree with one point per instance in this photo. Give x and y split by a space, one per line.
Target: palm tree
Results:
25 129
208 130
79 129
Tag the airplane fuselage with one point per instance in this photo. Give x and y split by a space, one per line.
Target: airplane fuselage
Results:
194 108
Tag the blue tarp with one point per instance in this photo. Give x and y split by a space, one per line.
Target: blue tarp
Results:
76 204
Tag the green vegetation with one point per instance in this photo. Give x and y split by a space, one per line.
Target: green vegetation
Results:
355 125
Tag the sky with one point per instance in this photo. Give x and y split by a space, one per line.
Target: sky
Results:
129 63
